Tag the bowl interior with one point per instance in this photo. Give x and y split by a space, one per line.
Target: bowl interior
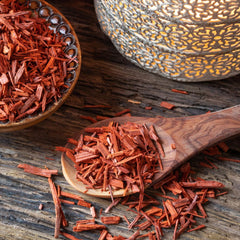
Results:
61 26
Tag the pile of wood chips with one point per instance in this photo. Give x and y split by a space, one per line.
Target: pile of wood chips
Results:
33 65
117 156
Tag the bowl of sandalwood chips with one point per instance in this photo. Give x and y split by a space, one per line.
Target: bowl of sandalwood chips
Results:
40 61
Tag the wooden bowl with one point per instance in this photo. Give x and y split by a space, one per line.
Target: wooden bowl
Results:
61 26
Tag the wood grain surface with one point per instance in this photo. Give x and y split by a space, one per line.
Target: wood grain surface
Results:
107 78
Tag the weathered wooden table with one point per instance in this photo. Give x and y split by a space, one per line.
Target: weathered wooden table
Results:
107 78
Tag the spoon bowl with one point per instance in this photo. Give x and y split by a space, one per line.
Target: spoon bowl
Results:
189 135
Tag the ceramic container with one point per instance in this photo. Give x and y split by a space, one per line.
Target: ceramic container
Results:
184 40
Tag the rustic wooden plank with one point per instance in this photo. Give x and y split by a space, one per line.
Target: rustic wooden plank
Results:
108 78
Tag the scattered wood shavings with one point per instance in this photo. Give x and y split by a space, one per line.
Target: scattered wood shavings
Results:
118 114
60 218
110 220
229 159
37 171
69 236
179 91
91 119
184 195
40 206
93 211
167 105
134 101
181 211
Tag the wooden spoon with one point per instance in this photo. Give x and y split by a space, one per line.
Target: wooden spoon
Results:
189 134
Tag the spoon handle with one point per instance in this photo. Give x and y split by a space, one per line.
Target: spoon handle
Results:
193 134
